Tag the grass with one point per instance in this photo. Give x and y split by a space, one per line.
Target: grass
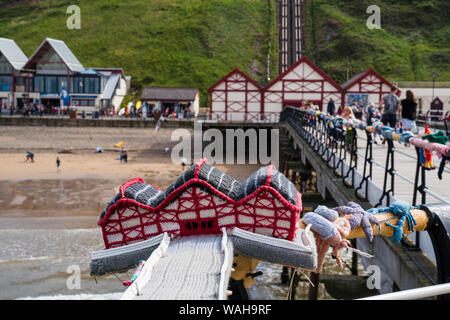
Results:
413 41
160 42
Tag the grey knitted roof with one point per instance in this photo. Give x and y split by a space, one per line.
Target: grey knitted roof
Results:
151 196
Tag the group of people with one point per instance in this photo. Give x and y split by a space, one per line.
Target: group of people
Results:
391 111
35 110
30 157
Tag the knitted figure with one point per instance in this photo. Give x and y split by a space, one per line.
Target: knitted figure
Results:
406 136
386 132
428 154
136 274
328 234
329 214
437 137
400 209
357 216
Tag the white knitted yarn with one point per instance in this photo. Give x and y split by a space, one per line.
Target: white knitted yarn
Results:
135 289
194 268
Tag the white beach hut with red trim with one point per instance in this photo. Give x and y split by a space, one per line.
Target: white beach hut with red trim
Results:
235 97
367 82
301 82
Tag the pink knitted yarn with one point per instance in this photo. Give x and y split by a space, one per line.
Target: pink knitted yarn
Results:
336 242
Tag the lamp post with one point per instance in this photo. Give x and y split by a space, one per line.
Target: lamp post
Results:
434 77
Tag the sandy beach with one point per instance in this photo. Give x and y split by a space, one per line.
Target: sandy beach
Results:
76 148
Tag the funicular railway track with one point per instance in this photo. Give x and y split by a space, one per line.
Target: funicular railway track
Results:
291 40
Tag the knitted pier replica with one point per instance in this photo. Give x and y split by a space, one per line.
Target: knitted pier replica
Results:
207 227
204 209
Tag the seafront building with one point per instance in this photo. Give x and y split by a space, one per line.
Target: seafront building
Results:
52 70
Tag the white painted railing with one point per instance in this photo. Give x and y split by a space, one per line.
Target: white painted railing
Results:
414 294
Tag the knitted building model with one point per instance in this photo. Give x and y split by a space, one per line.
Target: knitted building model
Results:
203 201
261 215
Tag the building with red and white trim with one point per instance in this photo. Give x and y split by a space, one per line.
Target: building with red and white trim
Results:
366 86
235 97
301 82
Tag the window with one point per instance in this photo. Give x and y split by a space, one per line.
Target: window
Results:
62 82
5 83
39 84
87 88
51 85
97 85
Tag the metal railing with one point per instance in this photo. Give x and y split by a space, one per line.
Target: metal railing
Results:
413 294
336 141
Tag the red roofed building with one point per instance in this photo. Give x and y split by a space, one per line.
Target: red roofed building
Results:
301 82
367 86
235 97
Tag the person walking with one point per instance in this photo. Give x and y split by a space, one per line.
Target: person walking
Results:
409 111
370 117
58 163
391 105
121 156
331 108
125 156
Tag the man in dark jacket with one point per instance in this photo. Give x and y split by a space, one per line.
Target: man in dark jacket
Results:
331 107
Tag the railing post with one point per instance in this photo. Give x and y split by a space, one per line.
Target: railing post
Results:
367 165
420 189
388 170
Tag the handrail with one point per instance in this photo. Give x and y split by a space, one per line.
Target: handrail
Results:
317 128
413 294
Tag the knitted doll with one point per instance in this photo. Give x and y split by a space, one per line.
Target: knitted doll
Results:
441 149
427 153
437 137
328 233
357 216
402 210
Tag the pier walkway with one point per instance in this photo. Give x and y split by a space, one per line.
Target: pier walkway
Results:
188 268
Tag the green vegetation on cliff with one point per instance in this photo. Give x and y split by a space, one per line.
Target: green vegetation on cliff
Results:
413 42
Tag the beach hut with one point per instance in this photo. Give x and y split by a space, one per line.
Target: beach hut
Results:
235 97
365 87
301 82
174 99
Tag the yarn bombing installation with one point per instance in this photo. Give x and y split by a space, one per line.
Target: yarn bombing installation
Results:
401 209
261 215
339 127
258 219
203 201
